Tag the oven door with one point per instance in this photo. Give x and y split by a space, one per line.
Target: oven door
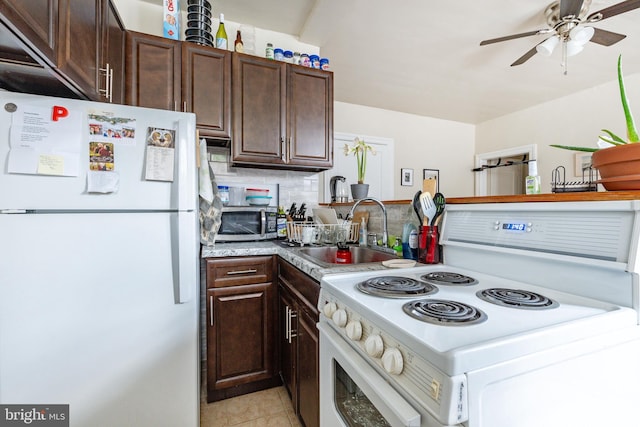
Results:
352 393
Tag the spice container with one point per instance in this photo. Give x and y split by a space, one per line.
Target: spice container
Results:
315 61
269 51
296 58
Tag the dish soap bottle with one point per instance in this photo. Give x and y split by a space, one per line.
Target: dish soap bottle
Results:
281 223
362 241
221 35
398 247
532 181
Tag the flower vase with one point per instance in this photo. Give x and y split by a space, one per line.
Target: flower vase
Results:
619 167
359 191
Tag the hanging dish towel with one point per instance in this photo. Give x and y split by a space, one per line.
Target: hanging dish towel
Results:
210 202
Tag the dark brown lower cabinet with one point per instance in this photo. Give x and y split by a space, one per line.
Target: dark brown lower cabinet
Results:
298 315
242 355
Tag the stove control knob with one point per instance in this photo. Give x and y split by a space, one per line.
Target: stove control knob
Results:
329 308
374 346
340 318
392 361
354 330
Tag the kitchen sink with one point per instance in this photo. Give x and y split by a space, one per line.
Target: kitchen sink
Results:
359 254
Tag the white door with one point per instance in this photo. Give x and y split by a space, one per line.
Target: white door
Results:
379 166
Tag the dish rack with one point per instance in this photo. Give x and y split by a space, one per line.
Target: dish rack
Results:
319 234
560 185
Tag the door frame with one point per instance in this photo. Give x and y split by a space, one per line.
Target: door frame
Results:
481 184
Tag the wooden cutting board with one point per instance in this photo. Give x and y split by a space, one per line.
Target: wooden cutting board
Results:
357 217
430 185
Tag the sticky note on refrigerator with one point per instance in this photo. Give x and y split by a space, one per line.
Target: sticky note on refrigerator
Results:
50 164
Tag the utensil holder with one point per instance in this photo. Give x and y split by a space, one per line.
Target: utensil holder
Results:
429 250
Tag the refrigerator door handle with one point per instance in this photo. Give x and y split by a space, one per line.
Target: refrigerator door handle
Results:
185 187
184 250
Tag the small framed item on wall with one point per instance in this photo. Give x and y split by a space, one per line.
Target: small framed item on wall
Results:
406 177
432 174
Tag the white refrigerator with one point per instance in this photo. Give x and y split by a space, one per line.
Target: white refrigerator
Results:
99 266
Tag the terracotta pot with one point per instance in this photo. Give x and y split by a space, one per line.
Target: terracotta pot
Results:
619 167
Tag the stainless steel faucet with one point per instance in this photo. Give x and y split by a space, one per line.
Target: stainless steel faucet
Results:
385 235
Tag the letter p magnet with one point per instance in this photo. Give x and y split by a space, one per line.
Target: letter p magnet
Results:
59 113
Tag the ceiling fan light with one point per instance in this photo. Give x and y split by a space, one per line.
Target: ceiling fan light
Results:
546 47
581 34
574 48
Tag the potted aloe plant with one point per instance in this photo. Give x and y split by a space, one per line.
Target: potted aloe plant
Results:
617 159
359 149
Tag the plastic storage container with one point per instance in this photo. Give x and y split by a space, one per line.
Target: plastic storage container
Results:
223 192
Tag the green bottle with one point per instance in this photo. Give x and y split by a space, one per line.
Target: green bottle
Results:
221 36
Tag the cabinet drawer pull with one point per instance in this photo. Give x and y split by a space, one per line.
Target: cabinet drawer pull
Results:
250 271
211 310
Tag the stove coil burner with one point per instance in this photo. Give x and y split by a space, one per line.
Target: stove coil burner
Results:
517 298
396 287
444 312
448 278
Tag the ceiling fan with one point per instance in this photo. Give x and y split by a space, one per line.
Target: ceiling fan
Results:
567 20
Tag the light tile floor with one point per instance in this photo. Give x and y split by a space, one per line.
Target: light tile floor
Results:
266 408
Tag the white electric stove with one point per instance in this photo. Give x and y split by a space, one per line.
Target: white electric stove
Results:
532 320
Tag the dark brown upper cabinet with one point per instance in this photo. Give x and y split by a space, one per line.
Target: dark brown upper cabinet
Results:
282 115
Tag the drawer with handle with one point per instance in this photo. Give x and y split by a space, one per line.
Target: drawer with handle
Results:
237 271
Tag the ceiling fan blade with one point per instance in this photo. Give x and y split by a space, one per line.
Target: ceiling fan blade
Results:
606 38
527 56
515 36
570 7
614 10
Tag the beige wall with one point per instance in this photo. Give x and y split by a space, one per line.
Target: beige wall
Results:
572 120
420 142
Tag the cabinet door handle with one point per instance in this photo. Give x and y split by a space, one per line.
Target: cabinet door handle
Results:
292 333
211 310
110 83
250 271
283 142
287 323
105 91
184 106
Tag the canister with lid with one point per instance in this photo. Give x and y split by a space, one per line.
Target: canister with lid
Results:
288 56
304 60
223 192
278 54
315 61
324 63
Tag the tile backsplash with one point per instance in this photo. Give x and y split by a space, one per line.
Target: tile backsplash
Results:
295 186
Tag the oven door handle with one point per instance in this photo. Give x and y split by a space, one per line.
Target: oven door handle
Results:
393 407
